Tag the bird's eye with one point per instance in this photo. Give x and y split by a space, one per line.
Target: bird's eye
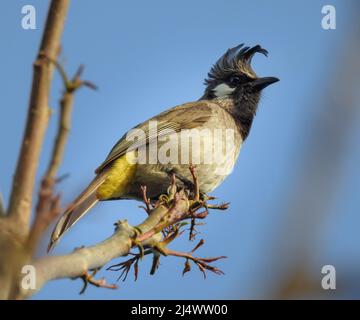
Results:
235 81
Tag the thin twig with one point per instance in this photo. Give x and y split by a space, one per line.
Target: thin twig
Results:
66 106
146 200
48 206
196 183
99 283
37 118
202 263
125 266
47 209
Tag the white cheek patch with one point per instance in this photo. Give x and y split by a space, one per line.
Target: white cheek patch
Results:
223 90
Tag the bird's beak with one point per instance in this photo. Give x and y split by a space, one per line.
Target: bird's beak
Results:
261 83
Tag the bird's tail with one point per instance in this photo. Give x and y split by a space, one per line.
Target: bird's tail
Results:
77 209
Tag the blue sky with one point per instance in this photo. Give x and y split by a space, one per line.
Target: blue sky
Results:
148 56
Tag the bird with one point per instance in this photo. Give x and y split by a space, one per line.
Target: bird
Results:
223 115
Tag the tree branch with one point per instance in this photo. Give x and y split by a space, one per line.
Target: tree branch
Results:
165 214
77 263
48 206
14 228
37 118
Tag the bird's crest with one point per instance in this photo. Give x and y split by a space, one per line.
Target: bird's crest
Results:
237 59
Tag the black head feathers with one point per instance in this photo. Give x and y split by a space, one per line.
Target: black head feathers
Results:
238 60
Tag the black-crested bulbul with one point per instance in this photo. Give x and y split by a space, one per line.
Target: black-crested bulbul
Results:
215 126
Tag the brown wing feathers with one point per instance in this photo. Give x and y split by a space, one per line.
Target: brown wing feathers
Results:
78 208
181 117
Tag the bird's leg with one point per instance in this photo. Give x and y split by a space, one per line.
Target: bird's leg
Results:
186 183
201 200
171 191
